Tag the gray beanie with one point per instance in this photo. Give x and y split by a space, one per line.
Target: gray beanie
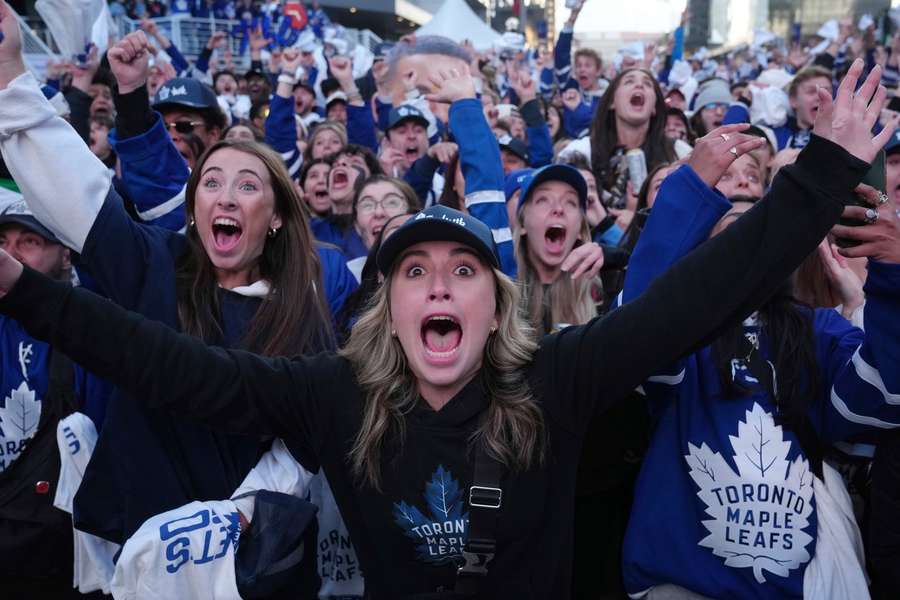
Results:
713 91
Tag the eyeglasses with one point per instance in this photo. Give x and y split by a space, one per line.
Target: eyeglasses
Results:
184 126
389 204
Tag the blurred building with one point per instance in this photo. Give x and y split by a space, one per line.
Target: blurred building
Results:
727 23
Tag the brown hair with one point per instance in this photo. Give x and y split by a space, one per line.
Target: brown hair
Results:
589 53
805 75
294 316
604 137
512 427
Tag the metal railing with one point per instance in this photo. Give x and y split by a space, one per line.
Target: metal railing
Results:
190 34
37 53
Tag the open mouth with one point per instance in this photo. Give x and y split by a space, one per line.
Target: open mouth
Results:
441 335
320 195
637 100
226 233
555 239
339 178
412 153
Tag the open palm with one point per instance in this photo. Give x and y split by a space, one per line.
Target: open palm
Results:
848 119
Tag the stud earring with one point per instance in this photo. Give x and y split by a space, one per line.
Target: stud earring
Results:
272 232
191 224
393 333
493 330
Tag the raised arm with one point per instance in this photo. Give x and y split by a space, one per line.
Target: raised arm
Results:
281 130
479 159
153 171
234 391
728 277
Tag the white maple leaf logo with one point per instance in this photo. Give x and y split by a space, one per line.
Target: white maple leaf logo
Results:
19 419
759 513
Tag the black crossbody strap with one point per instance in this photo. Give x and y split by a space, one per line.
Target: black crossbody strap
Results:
806 435
485 501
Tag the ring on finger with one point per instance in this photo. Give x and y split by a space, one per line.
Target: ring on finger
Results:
734 151
882 198
871 216
724 136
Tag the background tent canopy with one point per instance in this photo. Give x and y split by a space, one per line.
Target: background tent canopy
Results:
457 21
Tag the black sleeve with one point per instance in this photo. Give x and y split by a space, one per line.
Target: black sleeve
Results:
79 112
824 60
716 286
234 391
366 86
531 113
133 114
883 550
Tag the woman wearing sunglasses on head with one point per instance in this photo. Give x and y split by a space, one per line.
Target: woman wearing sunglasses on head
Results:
245 274
442 389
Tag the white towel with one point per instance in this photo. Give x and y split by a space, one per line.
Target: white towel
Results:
93 556
838 568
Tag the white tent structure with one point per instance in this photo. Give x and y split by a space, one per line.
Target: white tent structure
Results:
457 21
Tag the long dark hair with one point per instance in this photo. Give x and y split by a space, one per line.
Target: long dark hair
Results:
605 138
449 196
787 331
294 317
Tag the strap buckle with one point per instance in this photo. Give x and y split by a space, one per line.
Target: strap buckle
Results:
476 562
485 497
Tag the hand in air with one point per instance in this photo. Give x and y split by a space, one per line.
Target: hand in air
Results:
848 119
129 61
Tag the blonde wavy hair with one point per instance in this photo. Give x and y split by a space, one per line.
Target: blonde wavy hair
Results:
512 428
569 301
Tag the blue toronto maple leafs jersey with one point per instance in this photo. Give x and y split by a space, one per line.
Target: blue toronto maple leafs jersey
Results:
23 385
724 503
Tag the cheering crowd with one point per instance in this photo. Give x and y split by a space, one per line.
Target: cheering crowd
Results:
442 322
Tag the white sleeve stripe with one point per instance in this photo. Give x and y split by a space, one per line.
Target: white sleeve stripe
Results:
165 208
841 407
485 196
870 375
502 235
667 379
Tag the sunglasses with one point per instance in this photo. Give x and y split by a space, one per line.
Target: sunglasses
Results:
184 126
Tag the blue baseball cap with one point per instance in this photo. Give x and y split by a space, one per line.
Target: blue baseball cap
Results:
406 112
19 213
555 172
514 181
439 224
183 91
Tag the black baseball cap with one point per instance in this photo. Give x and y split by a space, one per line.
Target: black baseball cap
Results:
406 112
514 145
19 213
183 91
439 224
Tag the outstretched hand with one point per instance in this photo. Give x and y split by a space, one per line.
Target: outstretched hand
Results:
714 152
450 85
129 61
848 119
11 62
10 271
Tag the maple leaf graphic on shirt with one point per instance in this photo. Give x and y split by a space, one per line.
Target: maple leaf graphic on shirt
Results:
441 533
759 513
19 418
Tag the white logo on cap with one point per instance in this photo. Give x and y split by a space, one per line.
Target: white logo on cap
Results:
504 140
164 93
179 91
